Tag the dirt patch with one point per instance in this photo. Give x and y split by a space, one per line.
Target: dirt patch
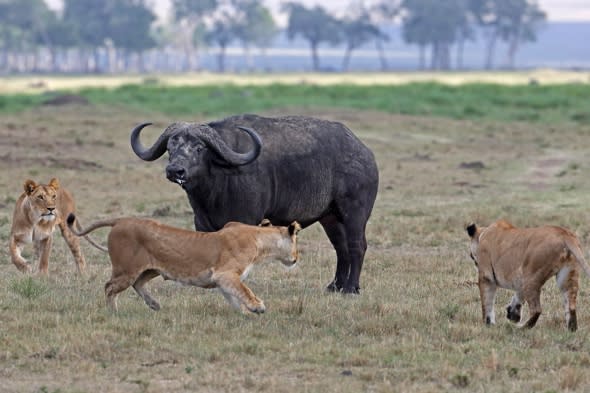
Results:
50 162
66 99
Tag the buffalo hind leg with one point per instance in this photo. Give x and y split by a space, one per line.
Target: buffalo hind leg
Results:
337 234
139 286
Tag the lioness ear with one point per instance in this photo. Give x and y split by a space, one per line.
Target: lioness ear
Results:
29 186
471 229
265 223
54 183
294 228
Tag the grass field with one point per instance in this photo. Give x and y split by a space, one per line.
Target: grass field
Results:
416 327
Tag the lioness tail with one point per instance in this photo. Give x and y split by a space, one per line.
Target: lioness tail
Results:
577 251
83 232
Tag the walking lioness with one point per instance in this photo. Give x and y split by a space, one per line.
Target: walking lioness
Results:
523 259
142 249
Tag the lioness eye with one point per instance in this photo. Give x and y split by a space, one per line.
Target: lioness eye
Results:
55 196
40 197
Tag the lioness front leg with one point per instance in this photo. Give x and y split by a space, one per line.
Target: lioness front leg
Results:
533 298
45 250
16 249
237 293
487 293
74 245
514 308
139 287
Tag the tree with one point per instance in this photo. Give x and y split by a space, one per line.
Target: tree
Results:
521 21
386 10
357 30
190 15
314 25
129 28
221 33
436 23
255 25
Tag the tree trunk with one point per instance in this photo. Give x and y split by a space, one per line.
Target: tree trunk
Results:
382 59
422 57
221 59
314 56
346 59
460 49
491 48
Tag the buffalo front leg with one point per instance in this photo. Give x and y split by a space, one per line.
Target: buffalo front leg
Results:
238 294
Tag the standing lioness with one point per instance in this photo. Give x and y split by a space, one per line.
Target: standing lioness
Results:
523 259
142 249
39 209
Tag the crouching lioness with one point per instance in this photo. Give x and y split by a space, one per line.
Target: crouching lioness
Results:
142 249
523 259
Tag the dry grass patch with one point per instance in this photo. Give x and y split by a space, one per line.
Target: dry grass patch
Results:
416 327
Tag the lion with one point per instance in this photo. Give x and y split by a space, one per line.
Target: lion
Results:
37 212
143 249
523 259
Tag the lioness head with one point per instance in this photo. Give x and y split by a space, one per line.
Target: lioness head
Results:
43 198
287 245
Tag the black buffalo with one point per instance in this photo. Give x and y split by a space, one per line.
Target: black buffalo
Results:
246 168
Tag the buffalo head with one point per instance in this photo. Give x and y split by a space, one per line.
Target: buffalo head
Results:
192 148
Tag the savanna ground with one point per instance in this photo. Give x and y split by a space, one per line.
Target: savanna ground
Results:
417 325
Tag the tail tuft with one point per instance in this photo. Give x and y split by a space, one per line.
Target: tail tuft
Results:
71 218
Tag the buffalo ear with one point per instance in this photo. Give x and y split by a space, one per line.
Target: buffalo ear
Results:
471 229
265 223
54 183
294 228
29 186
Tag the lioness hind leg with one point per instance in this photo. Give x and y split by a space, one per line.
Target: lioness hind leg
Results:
237 293
112 289
139 286
567 281
74 245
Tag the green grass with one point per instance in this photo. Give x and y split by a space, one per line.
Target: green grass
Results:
537 104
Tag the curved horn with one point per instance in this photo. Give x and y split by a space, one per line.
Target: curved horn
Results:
215 142
154 152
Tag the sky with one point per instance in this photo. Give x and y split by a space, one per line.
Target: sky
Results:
557 10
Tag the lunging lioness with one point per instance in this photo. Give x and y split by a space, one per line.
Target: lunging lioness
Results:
142 249
523 259
39 209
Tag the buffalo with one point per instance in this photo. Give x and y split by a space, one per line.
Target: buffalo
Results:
246 168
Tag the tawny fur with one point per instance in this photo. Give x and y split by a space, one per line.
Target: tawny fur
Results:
142 249
38 211
523 259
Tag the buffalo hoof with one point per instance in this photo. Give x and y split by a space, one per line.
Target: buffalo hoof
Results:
333 287
351 291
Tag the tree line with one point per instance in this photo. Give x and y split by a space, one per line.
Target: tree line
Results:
123 35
